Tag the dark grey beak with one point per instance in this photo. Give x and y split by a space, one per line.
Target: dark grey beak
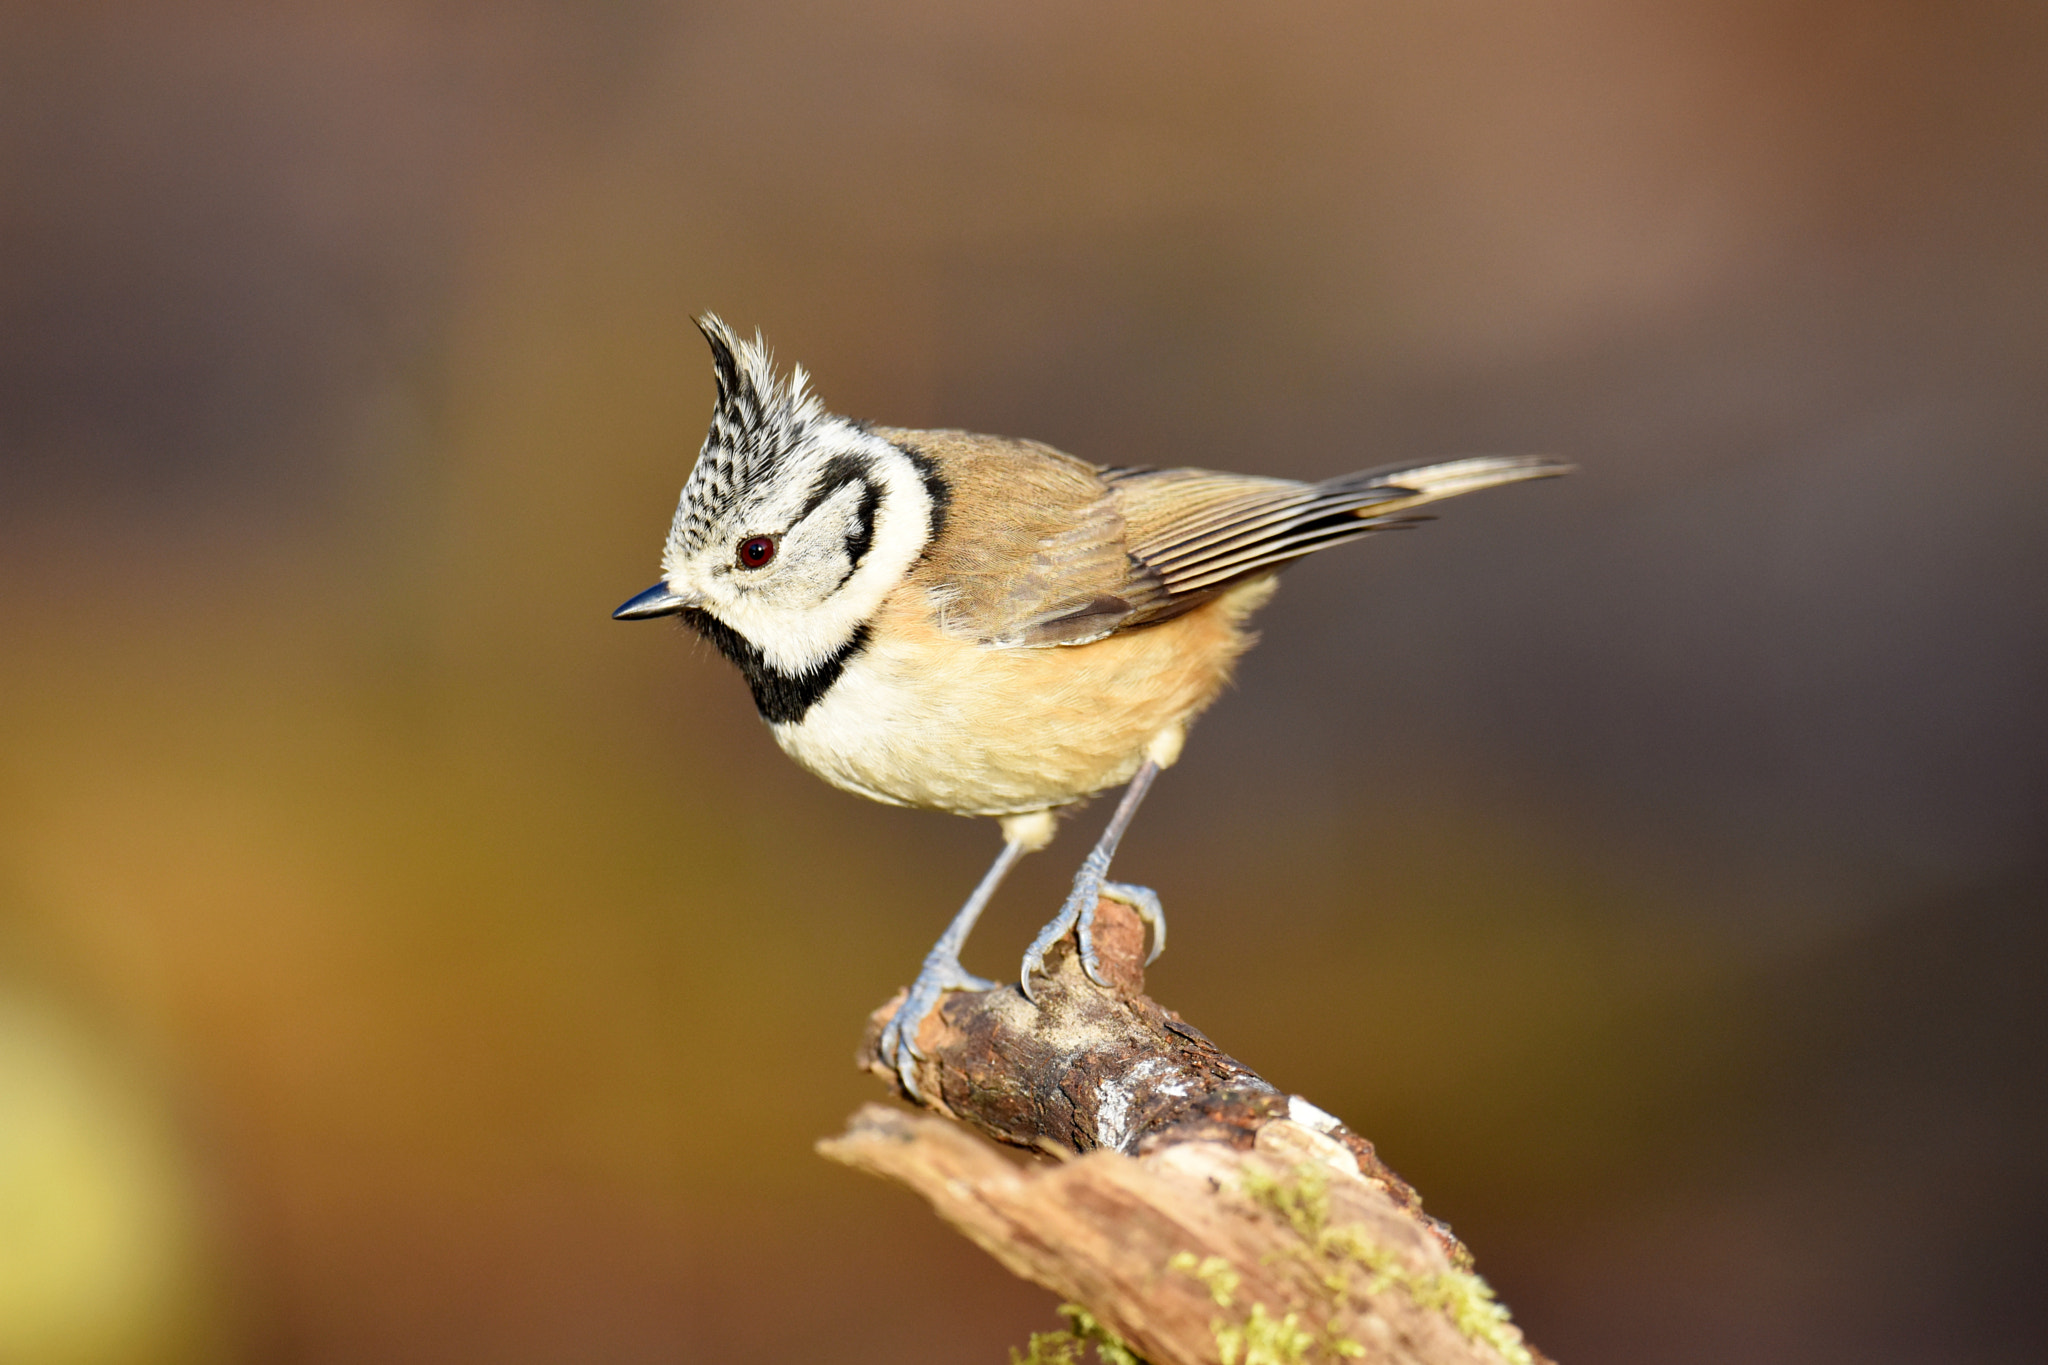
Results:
656 601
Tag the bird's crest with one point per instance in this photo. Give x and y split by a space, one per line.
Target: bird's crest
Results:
758 421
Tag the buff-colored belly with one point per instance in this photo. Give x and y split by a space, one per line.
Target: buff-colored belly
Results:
922 718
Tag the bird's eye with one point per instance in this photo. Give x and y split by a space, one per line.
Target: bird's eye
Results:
756 551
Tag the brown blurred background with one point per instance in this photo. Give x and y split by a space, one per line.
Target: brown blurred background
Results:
402 962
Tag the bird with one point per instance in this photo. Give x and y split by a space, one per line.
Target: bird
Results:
987 625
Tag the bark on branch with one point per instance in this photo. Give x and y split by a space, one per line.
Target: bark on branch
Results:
1198 1215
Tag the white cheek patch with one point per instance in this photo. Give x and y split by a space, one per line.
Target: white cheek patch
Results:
816 557
800 627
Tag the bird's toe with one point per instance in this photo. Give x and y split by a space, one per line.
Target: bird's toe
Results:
1145 901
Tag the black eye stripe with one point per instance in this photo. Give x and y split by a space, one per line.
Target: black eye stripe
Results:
839 471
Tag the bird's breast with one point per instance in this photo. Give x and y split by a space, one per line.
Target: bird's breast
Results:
919 717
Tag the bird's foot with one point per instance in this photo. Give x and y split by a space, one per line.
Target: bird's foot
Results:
941 972
1077 914
1080 901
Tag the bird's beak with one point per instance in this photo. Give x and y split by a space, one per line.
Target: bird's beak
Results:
659 600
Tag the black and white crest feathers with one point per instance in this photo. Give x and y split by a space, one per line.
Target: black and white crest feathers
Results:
757 420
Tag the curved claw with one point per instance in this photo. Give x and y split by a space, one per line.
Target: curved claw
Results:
1145 901
1034 956
898 1043
1084 939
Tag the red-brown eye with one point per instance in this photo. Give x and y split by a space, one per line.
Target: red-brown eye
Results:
755 553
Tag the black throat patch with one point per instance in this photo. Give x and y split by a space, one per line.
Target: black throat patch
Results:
782 698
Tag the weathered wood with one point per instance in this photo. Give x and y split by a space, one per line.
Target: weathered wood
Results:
1199 1214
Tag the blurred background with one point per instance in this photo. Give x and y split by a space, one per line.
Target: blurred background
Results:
401 961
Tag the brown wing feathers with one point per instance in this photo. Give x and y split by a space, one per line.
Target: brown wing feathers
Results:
1251 532
1036 550
1210 530
1063 552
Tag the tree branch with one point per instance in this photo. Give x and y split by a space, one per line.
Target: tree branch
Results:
1197 1214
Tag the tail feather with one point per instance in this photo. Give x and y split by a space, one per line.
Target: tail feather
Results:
1198 532
1421 483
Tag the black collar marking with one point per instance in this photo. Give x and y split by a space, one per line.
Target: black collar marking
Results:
782 698
935 485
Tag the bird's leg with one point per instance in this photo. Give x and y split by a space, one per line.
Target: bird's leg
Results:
942 971
1090 885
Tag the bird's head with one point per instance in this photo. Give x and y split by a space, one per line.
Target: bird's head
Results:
795 523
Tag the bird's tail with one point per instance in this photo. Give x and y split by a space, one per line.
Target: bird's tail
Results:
1405 486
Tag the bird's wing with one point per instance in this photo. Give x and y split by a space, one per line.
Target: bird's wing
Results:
1044 549
1033 549
1201 532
